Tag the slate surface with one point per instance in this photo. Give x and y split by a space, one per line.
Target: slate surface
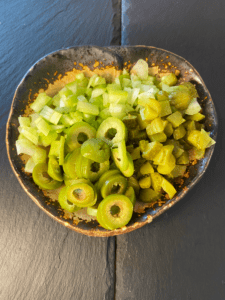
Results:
181 255
39 258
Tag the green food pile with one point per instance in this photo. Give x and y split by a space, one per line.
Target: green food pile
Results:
106 144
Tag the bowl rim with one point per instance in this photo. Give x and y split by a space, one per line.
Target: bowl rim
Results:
150 217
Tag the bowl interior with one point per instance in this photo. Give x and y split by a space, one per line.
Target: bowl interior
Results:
54 68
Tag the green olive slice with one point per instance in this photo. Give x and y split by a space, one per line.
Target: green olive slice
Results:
115 184
65 203
92 170
70 162
81 194
95 149
54 169
130 193
78 134
42 179
112 130
115 211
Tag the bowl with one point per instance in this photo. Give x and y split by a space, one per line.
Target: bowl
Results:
52 72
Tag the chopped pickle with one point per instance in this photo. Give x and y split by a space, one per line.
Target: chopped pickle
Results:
145 182
149 195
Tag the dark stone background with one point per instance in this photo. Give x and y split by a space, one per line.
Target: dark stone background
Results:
181 255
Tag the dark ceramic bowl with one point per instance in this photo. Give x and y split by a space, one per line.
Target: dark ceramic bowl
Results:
44 72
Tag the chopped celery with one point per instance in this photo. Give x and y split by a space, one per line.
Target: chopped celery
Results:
30 133
41 100
43 126
24 121
87 108
25 146
50 115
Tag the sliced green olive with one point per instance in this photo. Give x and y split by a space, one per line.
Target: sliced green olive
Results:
115 184
65 203
119 155
78 134
132 181
54 169
81 194
95 149
112 130
70 162
115 211
130 170
92 170
130 193
42 179
105 176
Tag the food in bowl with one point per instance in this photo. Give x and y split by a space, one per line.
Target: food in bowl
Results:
102 145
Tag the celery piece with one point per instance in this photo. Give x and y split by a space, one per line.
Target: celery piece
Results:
105 113
43 126
41 100
168 130
68 102
145 182
54 149
56 100
50 115
47 140
39 156
25 146
134 95
156 181
30 133
113 87
65 92
87 108
149 195
140 69
165 108
89 118
170 79
179 132
193 107
176 119
67 120
24 121
118 110
29 166
61 150
168 188
72 86
33 117
82 98
151 150
98 91
158 137
117 97
196 117
136 153
58 128
126 82
155 126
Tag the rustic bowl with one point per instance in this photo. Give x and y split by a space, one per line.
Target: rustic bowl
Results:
46 71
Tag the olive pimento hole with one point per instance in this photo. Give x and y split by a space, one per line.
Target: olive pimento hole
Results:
95 167
79 194
115 189
115 210
46 176
111 133
82 137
